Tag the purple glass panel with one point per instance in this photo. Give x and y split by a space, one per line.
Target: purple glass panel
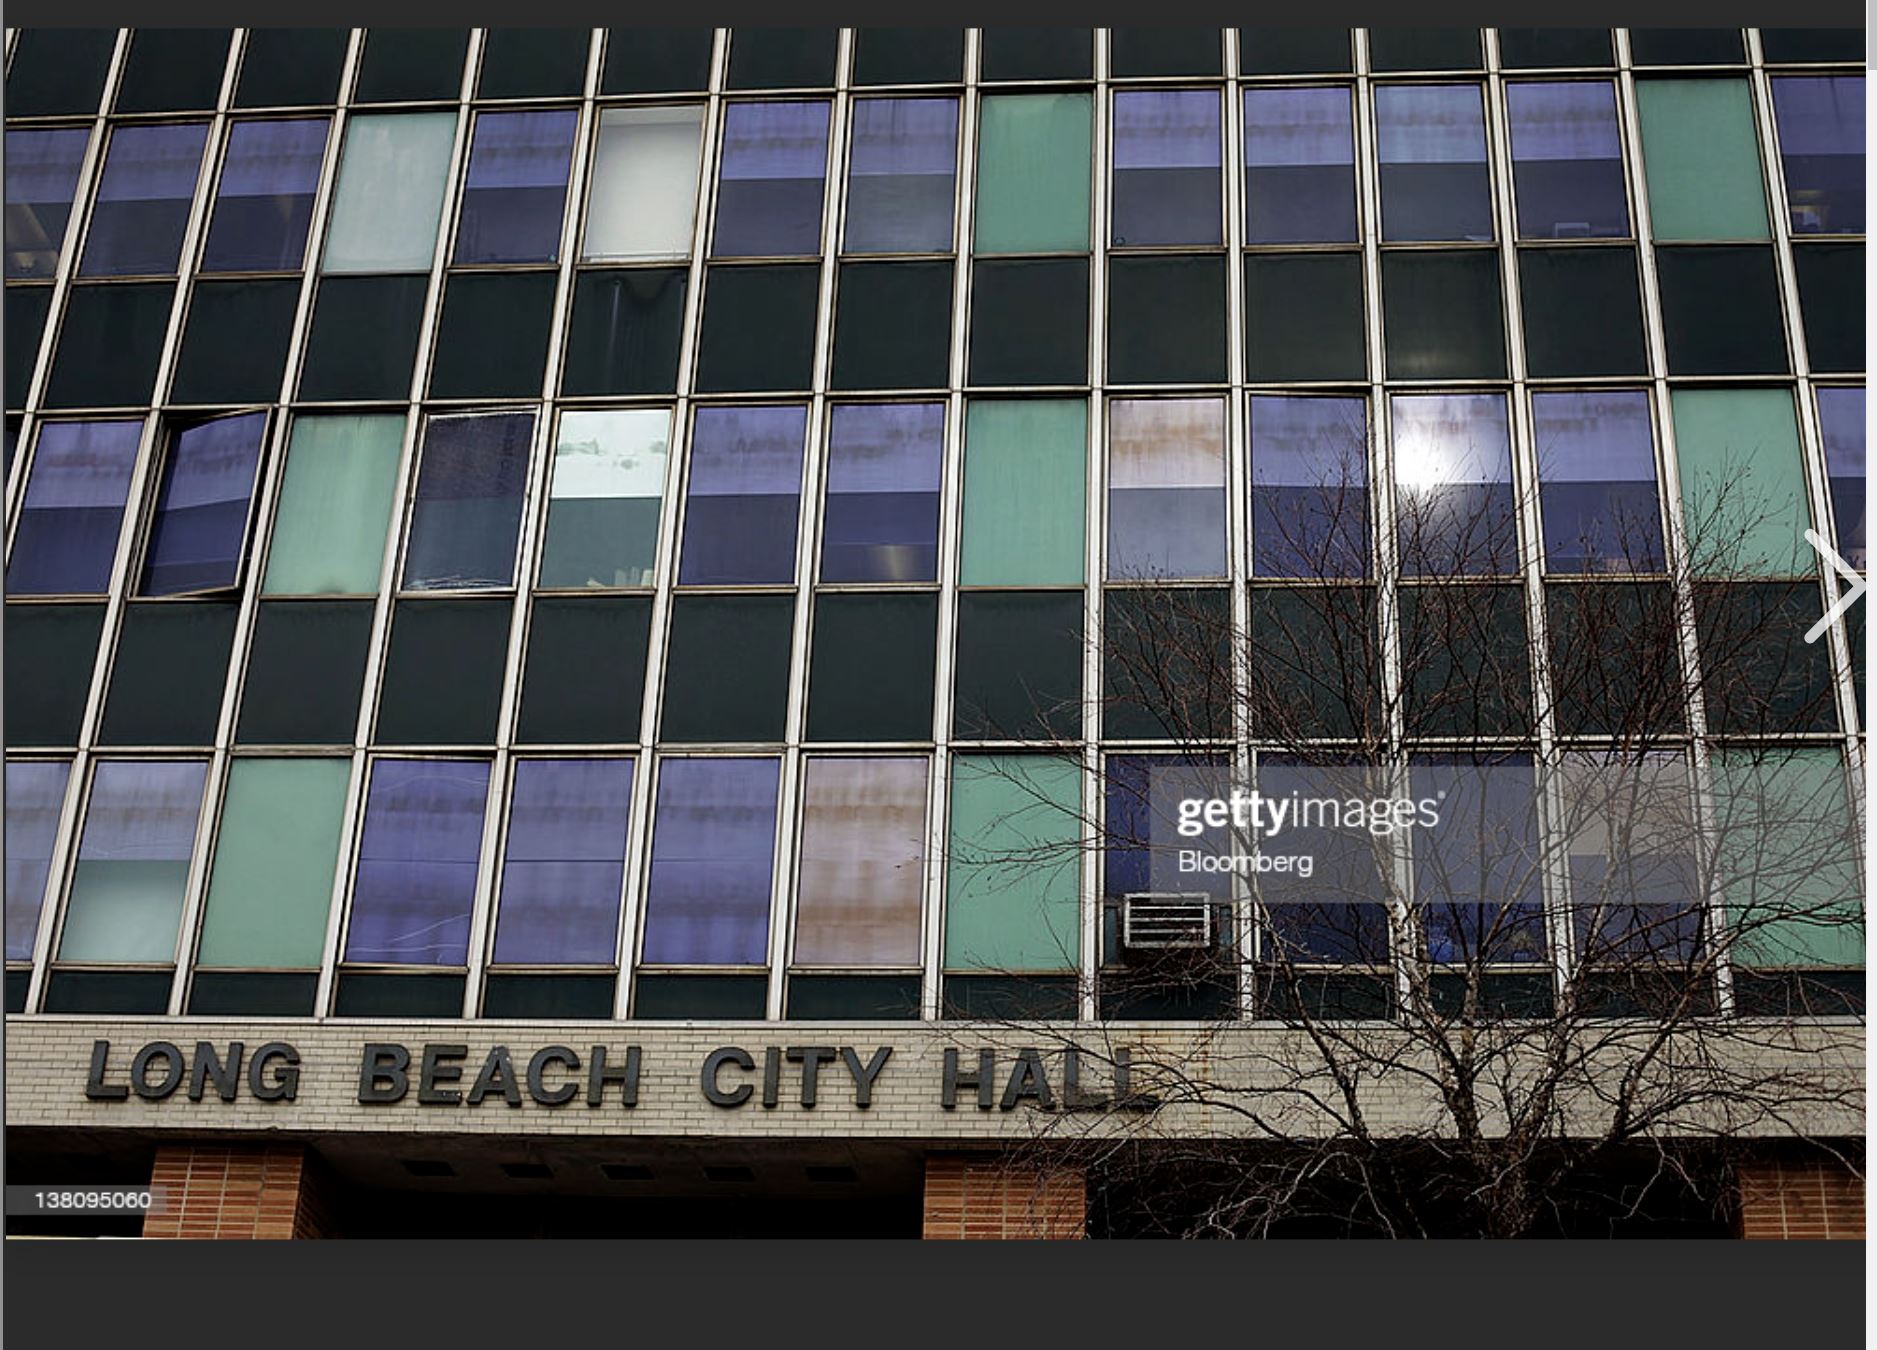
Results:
1821 148
713 846
1433 162
467 516
75 492
41 176
1338 913
201 524
1300 166
900 174
1476 872
1166 167
743 496
143 200
775 156
1596 475
1567 161
1453 484
565 861
264 201
416 882
35 790
1841 419
1309 487
881 518
515 188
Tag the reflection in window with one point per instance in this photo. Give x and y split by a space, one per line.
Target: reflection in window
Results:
1300 167
76 487
1821 147
1309 487
1567 161
41 176
775 156
515 187
199 533
1476 872
1596 477
35 793
1338 914
133 861
713 847
1166 167
1841 420
1453 484
603 507
264 201
467 514
899 178
389 194
416 880
743 496
860 893
1629 827
143 200
564 862
644 199
1434 179
1166 488
880 521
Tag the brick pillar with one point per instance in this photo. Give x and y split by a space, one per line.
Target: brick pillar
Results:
237 1190
1800 1198
987 1196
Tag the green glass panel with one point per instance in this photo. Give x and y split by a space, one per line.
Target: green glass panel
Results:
1787 862
1033 157
1026 465
389 196
335 505
1742 482
1702 159
1014 876
275 856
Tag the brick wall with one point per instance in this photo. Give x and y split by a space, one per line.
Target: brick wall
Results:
1800 1198
237 1190
988 1196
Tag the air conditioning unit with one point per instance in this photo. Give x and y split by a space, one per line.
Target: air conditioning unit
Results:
1164 920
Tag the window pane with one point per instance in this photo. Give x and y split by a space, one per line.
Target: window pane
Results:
1026 469
565 862
861 890
1453 477
758 330
727 671
198 535
899 178
1300 166
133 861
1721 310
416 880
1821 147
880 521
1742 481
1007 344
1166 488
41 176
871 666
603 508
743 496
1841 420
1435 183
1476 872
1582 311
389 196
35 792
644 198
1702 159
775 156
713 851
143 199
264 202
1166 166
1337 915
1013 877
335 504
75 493
1442 315
1596 476
467 514
515 188
1630 834
1309 487
1033 173
275 855
1019 666
1567 161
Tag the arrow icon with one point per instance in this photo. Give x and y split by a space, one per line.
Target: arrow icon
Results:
1846 598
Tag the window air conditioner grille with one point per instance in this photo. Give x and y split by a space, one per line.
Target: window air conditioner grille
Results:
1162 920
